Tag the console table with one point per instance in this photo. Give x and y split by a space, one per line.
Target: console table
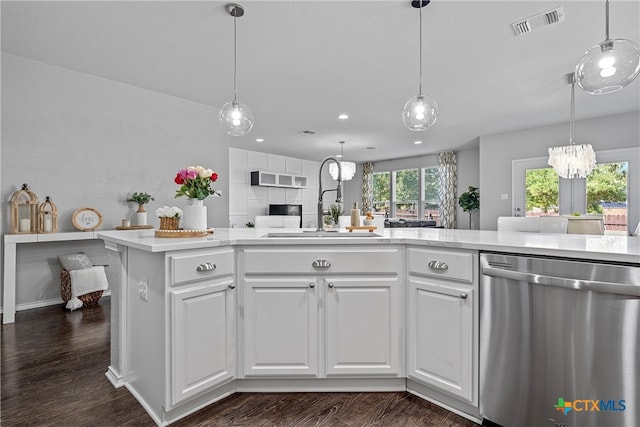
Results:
10 245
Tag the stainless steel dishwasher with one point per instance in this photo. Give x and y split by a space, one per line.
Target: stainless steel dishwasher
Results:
559 342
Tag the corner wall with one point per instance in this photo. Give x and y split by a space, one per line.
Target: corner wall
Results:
91 142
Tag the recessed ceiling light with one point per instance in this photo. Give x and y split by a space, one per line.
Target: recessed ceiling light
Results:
343 116
259 140
417 142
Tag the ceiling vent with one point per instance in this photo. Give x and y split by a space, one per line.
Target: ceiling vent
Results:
538 21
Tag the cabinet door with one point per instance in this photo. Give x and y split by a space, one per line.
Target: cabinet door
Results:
364 326
281 327
202 339
440 336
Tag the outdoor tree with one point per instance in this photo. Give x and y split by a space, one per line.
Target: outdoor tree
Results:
407 188
381 195
606 183
542 189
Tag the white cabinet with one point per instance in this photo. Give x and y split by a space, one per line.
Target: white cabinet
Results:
272 179
281 327
202 312
363 318
202 337
342 317
442 340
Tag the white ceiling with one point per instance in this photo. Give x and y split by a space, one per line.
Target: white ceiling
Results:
301 63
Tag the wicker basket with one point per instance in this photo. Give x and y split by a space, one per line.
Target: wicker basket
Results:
65 291
167 223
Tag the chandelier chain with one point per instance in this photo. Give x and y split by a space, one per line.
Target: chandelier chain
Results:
573 114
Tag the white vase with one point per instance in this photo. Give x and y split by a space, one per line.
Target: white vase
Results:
141 218
194 215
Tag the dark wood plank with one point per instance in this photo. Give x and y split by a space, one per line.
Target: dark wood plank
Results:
53 365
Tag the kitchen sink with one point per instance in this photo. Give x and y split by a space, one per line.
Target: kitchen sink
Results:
319 234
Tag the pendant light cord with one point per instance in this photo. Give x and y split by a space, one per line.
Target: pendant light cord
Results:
420 78
607 20
235 93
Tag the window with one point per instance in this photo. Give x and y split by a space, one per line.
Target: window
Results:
430 200
381 192
406 194
542 192
607 195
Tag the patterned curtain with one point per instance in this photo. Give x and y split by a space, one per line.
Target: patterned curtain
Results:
367 187
447 188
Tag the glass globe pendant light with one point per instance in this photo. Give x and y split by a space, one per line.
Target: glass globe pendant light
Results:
609 66
421 111
234 115
572 161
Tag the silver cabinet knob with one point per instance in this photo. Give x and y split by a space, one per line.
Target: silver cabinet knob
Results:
438 266
206 267
330 284
321 263
463 295
312 285
232 286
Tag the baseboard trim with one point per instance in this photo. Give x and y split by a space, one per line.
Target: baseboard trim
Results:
114 377
46 303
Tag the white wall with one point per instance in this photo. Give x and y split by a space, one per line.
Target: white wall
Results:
247 201
498 151
87 141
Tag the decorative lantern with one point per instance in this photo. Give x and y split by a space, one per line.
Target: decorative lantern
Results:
24 211
47 217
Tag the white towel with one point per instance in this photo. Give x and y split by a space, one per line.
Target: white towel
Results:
84 282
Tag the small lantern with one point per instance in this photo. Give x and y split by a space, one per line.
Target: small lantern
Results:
24 211
47 217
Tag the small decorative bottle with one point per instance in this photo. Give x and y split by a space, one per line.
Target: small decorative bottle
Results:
355 215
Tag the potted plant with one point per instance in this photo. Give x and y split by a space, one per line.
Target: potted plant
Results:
335 210
141 199
470 201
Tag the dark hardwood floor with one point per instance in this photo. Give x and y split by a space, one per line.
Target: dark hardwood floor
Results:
53 364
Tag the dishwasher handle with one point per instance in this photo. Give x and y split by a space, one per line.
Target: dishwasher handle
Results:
561 282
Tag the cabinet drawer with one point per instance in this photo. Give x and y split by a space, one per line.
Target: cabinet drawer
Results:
441 263
194 266
318 260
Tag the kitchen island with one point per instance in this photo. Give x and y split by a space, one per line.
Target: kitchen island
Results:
194 320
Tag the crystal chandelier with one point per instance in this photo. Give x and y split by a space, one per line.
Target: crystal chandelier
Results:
608 66
572 161
236 117
421 111
348 168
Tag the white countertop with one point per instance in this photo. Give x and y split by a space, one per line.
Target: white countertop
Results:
601 248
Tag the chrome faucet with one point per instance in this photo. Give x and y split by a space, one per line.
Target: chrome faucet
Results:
338 189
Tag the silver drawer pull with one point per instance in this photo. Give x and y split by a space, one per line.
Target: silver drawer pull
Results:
321 263
206 267
438 265
232 286
463 295
312 285
330 284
